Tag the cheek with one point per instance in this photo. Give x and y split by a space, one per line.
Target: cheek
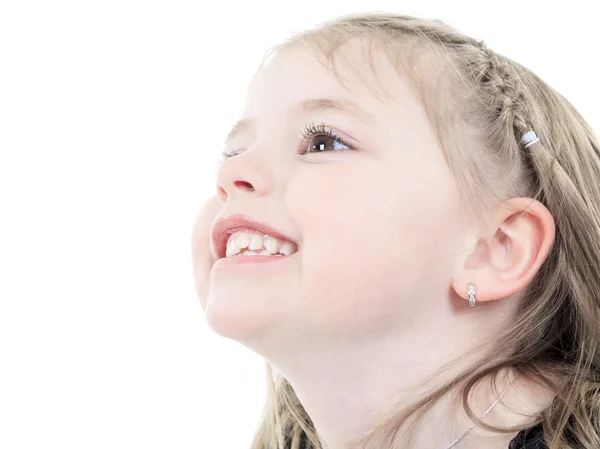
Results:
366 249
353 263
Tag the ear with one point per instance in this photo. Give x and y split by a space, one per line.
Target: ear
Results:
510 249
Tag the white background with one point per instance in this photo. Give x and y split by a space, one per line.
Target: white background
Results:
112 115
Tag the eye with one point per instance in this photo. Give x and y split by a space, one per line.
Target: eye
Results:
319 139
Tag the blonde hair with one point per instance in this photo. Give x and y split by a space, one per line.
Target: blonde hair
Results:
554 338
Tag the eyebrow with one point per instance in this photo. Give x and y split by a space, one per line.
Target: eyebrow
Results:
340 105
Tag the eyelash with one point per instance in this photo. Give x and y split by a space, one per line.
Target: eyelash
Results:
309 132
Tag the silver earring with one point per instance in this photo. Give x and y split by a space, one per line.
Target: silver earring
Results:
472 300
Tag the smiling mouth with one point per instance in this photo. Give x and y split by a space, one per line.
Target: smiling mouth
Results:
248 242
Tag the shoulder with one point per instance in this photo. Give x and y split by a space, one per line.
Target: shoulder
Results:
532 438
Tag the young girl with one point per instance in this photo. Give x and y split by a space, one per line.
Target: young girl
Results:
407 228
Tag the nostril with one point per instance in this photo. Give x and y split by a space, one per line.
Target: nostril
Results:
244 184
221 192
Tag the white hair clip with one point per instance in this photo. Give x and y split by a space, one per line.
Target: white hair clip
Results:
529 138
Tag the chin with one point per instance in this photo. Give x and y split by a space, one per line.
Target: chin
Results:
239 317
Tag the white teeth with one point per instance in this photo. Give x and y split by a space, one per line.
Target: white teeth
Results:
248 242
286 249
256 242
250 253
231 247
272 245
243 240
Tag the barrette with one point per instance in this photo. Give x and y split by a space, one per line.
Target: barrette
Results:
529 138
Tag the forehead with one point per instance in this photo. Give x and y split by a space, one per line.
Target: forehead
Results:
296 74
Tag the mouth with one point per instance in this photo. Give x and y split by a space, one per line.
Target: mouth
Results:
236 234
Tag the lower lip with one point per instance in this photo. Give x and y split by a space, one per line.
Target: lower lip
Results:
234 261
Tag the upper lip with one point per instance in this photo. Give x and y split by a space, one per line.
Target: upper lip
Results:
224 226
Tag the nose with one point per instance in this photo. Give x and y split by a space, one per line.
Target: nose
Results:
243 174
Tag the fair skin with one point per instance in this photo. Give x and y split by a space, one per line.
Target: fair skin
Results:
377 300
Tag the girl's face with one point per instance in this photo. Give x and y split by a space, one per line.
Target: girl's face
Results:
376 215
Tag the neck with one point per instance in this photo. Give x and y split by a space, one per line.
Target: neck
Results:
345 388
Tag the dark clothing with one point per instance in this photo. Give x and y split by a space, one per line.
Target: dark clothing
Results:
532 438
